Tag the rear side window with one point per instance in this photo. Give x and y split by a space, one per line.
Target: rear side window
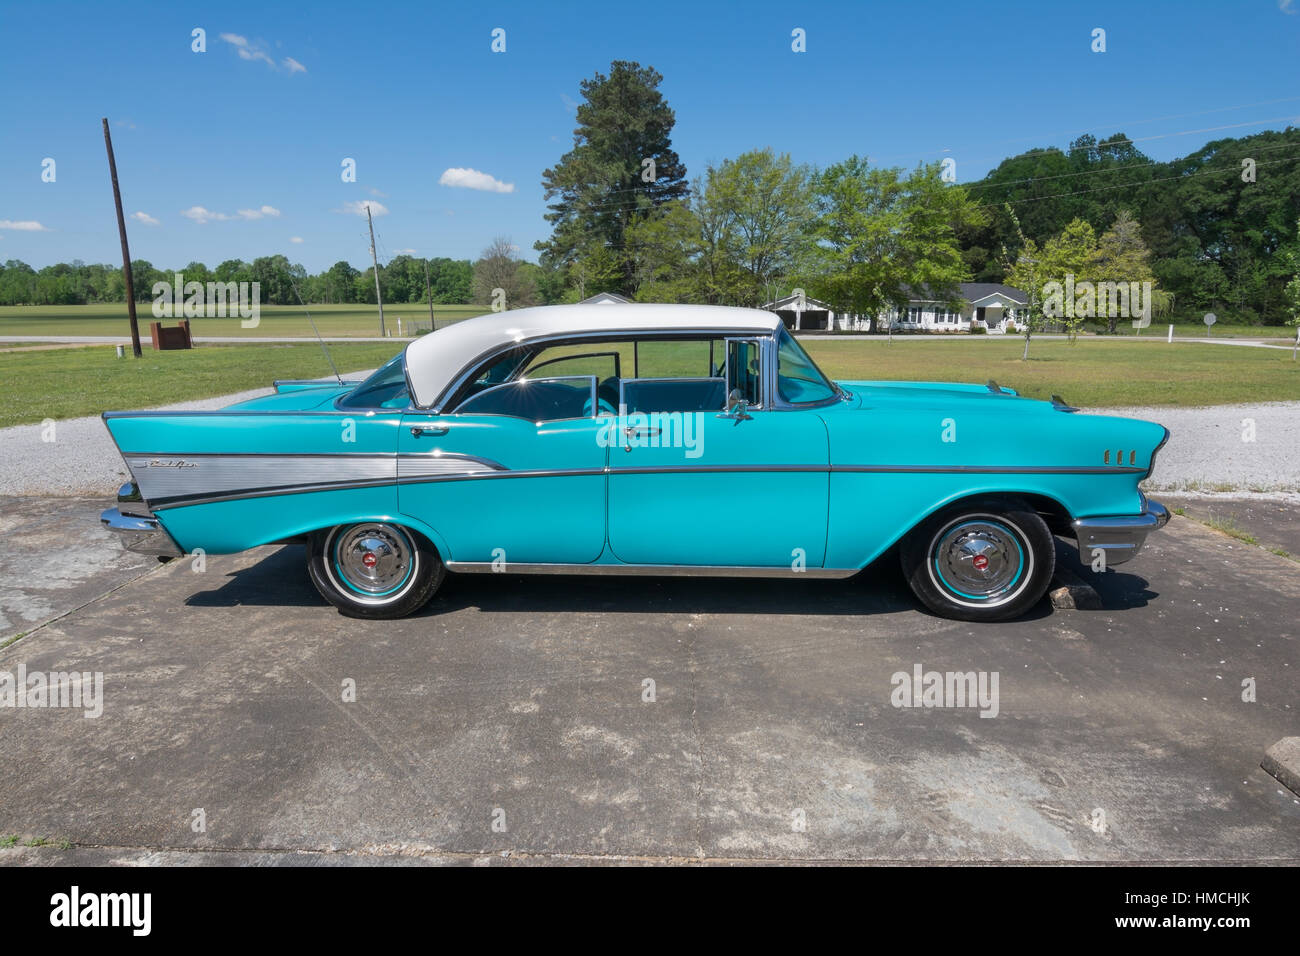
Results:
536 400
386 388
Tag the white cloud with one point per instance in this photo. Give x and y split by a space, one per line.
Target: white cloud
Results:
145 218
570 104
1287 6
23 225
404 252
202 214
270 211
473 179
376 193
257 52
358 208
296 240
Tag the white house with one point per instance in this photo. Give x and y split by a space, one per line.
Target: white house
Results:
988 305
802 314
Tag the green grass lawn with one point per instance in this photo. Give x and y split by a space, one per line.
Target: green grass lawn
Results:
276 320
67 383
1090 372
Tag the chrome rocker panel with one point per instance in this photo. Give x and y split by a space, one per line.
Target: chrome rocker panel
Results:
652 570
1119 538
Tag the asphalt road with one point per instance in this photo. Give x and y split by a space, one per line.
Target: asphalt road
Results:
510 721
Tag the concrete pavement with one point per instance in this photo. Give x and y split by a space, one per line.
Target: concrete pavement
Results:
514 716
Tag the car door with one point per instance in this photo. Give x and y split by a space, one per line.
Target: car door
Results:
716 489
507 477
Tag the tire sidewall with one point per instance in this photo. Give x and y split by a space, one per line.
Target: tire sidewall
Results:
426 576
1031 536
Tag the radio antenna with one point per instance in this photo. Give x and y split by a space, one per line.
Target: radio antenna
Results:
313 327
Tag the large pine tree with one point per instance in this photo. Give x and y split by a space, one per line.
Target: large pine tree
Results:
599 188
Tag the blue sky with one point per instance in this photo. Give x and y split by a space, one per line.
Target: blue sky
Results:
254 130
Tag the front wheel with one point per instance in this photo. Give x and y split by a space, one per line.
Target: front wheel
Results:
980 561
374 569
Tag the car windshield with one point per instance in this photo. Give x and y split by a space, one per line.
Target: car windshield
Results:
386 388
798 379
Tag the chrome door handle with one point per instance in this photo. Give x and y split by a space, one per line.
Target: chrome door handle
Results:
637 430
418 430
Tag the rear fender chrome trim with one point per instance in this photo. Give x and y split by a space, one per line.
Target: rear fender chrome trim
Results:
140 534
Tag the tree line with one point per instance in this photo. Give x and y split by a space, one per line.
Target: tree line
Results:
401 280
1216 230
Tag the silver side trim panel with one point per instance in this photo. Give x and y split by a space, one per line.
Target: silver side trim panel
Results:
140 534
651 570
171 480
1119 538
174 476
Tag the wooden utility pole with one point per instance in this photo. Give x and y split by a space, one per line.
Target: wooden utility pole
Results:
428 289
379 297
126 252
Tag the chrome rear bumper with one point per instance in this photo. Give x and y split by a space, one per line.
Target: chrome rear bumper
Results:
140 534
1121 537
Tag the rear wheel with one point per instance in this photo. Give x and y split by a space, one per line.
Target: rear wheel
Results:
374 569
986 560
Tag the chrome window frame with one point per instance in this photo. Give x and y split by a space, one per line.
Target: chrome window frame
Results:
610 335
765 346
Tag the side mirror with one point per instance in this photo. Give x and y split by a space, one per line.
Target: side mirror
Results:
736 405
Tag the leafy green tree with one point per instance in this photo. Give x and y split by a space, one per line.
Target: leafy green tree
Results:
881 234
764 204
622 166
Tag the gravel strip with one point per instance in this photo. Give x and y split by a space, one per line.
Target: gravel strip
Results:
1226 449
82 459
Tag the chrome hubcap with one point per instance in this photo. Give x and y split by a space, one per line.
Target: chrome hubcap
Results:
978 559
373 557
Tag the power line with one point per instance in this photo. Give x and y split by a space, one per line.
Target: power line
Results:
1082 192
1097 172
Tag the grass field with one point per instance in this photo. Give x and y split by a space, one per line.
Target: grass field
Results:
70 382
276 320
363 320
1090 372
86 381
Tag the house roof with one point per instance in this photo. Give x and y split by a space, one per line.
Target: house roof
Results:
605 298
974 293
435 360
810 304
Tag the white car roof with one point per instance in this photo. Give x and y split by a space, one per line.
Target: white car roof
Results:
433 361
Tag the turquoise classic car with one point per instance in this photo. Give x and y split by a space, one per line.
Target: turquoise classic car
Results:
639 439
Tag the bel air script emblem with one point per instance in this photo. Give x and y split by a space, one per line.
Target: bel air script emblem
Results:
171 463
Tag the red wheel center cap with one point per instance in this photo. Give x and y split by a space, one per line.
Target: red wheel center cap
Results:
980 562
369 559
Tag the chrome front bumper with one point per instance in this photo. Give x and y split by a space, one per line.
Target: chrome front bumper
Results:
140 534
1119 538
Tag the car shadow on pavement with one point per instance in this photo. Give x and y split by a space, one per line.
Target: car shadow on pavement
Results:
280 580
1119 590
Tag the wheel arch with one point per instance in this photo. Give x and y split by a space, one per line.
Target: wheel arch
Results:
1052 510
